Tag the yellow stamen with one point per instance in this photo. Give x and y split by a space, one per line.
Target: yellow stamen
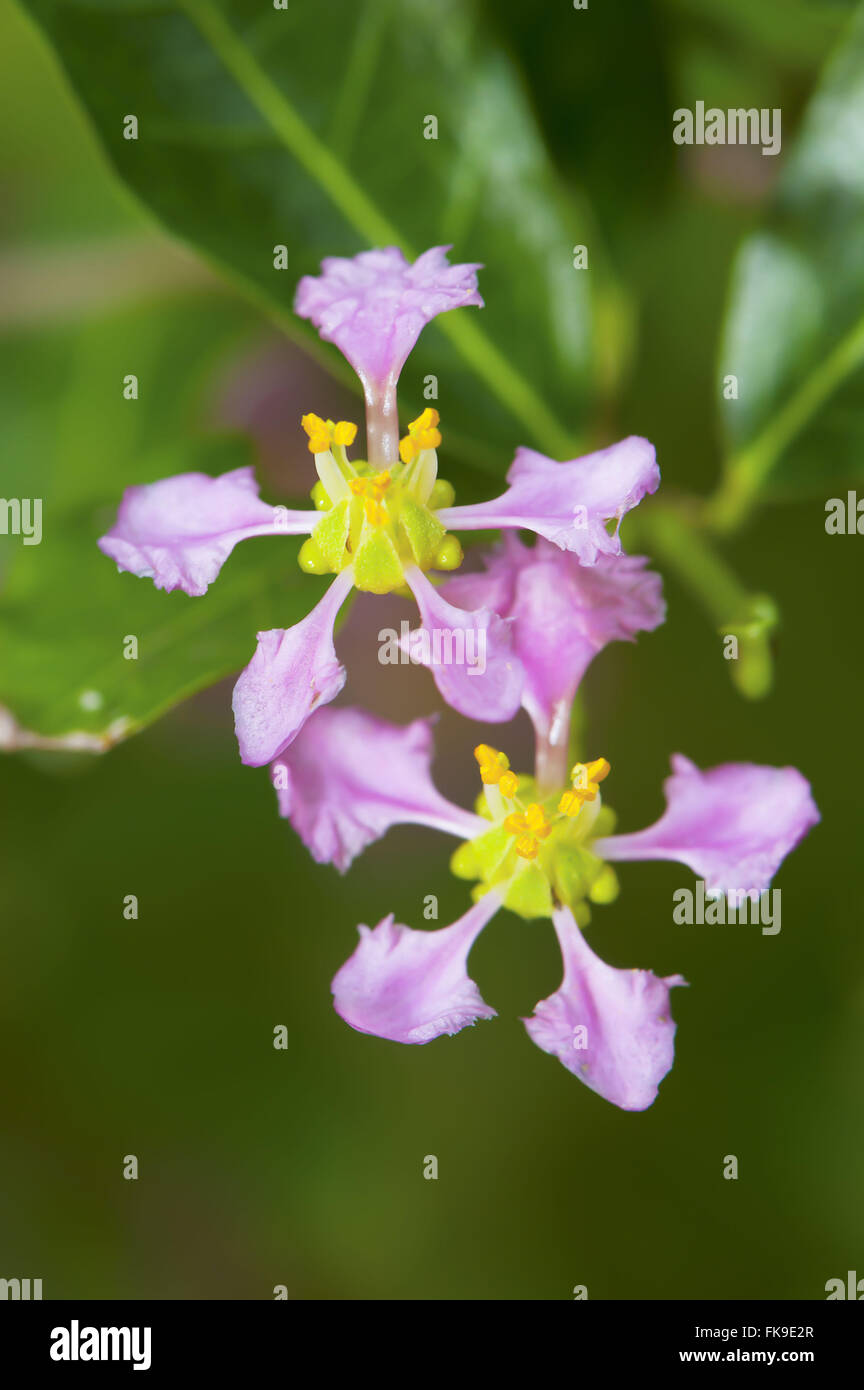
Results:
493 765
423 433
585 779
509 784
529 827
344 433
324 433
372 491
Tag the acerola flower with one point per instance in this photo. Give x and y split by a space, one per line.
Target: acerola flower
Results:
541 853
379 524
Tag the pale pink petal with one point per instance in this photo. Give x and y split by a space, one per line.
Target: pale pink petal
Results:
374 306
470 655
568 503
293 672
611 1028
412 986
732 825
563 613
349 776
180 531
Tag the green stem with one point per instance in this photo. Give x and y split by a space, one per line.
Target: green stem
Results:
747 470
748 618
502 378
685 550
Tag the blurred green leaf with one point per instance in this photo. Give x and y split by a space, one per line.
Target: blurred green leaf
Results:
304 127
74 442
794 334
787 31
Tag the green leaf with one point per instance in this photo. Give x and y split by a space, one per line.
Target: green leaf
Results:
794 334
304 127
65 612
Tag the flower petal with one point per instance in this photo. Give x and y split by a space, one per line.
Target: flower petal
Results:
180 531
293 671
568 503
469 654
374 306
563 613
611 1028
732 825
412 986
349 776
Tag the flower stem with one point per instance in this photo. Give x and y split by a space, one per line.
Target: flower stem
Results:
673 533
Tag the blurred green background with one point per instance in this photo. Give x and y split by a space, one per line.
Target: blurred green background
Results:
304 1167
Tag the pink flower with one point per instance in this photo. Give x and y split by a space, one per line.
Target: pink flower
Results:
350 777
381 523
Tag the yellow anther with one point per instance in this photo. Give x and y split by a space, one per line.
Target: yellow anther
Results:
423 433
536 822
319 435
344 433
585 779
372 490
493 765
509 784
529 827
570 804
323 433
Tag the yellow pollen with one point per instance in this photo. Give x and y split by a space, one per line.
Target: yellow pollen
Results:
372 490
585 779
423 433
530 827
324 433
493 766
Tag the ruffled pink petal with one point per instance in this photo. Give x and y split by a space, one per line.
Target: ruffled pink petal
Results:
349 776
179 532
374 306
563 613
412 986
470 655
611 1028
292 673
568 503
732 825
